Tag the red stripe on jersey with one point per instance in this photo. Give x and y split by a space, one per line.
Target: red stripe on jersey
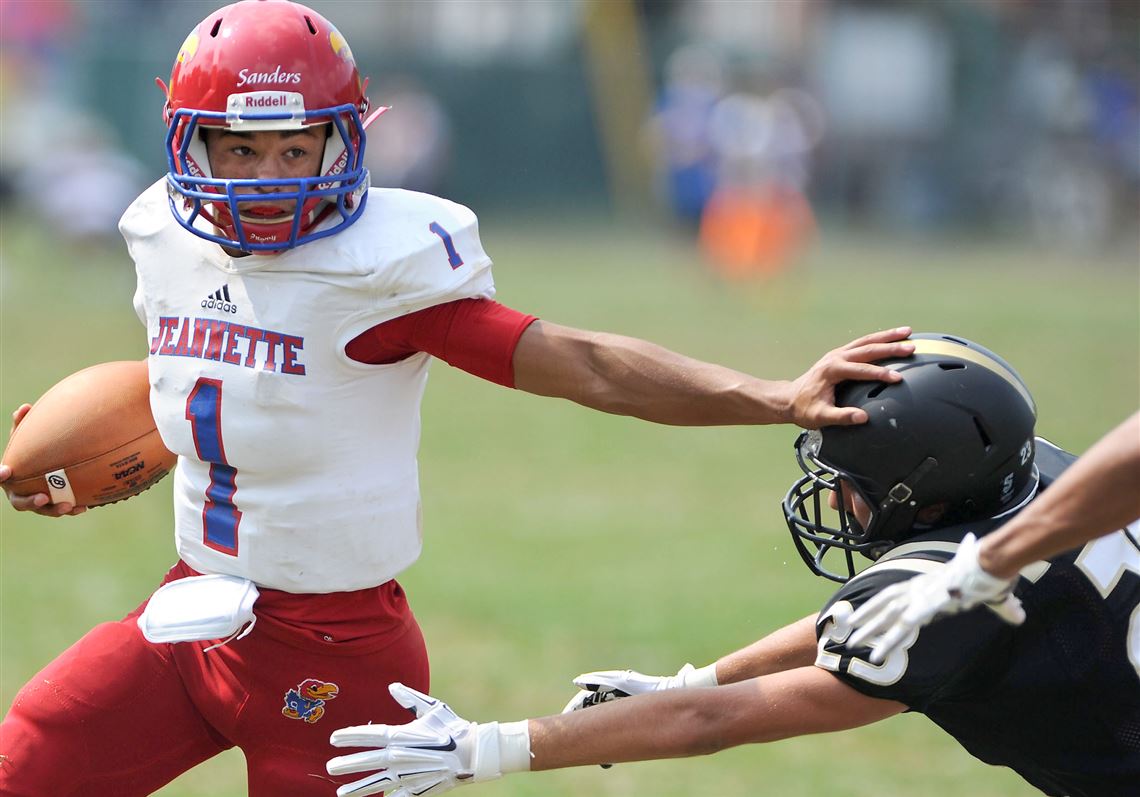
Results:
477 335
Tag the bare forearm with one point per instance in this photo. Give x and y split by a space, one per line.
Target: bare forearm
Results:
648 727
627 376
700 721
1098 494
790 647
665 387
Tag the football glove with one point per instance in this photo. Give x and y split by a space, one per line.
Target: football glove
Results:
430 755
607 685
901 609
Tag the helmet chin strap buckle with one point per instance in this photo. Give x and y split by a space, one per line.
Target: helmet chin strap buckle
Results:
901 492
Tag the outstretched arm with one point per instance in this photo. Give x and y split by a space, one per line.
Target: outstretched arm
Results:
791 647
628 376
623 375
440 750
681 723
786 649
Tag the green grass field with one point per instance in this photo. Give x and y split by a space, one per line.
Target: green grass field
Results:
560 540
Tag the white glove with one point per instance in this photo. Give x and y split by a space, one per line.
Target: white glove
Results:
607 685
903 608
430 755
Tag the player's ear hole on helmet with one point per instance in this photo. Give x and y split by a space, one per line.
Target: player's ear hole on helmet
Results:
931 514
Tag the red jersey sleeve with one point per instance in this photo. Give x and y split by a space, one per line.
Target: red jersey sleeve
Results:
477 335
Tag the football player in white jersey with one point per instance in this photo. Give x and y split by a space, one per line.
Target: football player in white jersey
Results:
948 452
282 295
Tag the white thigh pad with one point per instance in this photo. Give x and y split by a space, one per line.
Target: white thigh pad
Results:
199 608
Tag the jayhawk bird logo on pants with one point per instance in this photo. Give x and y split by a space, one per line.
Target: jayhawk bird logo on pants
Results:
307 701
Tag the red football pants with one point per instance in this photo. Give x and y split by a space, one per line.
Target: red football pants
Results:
117 716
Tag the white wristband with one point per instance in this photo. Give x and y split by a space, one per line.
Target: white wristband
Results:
500 748
485 757
702 678
514 746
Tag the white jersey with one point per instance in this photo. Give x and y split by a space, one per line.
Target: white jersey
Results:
296 465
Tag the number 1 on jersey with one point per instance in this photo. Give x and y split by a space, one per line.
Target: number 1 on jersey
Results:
453 257
220 517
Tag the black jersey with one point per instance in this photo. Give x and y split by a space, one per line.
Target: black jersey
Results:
1057 699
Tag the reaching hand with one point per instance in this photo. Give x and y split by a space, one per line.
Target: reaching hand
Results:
903 608
430 755
606 685
813 394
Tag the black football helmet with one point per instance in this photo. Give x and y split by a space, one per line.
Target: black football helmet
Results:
956 435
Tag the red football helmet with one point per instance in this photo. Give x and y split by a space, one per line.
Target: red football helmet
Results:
265 65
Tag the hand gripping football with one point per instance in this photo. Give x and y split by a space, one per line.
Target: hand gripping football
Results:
90 440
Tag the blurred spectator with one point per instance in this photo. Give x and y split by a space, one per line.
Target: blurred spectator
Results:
680 130
34 43
62 161
36 35
758 218
734 165
1077 114
884 75
1010 116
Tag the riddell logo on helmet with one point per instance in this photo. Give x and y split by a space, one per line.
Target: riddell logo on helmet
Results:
247 77
263 99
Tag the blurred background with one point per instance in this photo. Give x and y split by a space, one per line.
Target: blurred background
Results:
1001 117
749 182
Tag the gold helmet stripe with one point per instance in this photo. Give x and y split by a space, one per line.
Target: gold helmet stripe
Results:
948 349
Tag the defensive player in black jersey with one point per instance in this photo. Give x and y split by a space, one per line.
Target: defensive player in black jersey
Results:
948 451
1098 495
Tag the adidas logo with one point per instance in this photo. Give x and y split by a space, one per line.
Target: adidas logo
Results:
220 300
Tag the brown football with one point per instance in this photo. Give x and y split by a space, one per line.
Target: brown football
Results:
90 440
